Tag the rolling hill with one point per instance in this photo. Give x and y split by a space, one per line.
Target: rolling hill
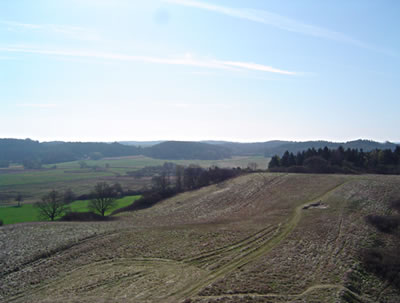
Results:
14 150
179 150
257 238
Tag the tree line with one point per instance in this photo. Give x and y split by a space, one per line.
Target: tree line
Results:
339 160
171 180
174 179
33 154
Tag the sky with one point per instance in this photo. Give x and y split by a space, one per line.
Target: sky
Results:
254 70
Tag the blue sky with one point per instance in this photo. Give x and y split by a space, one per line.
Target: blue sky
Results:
108 70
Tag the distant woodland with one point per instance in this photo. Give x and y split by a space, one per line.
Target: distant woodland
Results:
33 154
339 160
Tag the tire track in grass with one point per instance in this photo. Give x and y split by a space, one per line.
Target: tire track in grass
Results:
288 296
243 244
255 252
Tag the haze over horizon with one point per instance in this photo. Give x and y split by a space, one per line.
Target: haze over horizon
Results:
244 71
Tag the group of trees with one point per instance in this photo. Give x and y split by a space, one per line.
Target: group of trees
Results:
191 177
325 160
55 204
176 179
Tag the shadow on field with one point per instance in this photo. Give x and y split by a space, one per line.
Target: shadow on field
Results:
384 260
86 216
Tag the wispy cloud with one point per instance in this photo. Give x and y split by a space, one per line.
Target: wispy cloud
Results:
75 32
37 105
186 60
278 21
196 105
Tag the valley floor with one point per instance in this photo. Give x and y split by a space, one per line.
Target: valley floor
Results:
257 238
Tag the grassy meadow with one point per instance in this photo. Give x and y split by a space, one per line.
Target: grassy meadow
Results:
28 212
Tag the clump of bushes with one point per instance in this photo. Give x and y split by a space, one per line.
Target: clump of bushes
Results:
395 205
386 224
384 260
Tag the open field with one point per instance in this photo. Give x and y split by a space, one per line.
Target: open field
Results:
28 212
257 238
33 184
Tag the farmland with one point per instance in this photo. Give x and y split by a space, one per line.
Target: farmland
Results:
33 184
260 237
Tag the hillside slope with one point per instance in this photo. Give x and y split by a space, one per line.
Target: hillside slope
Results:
256 238
180 150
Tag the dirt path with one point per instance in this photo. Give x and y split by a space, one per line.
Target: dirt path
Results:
255 250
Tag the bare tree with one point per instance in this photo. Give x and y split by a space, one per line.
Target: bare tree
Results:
119 191
252 165
104 198
51 206
179 177
160 182
19 199
69 196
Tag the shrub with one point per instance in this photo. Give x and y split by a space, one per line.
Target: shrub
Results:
384 262
386 224
395 205
1 222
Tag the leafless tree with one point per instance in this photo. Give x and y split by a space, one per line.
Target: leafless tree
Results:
252 165
19 199
51 206
104 197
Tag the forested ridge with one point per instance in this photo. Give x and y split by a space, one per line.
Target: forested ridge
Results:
34 153
340 160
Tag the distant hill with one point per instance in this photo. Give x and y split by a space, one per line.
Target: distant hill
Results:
175 150
15 150
252 149
141 143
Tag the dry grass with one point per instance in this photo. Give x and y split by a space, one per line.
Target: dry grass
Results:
245 240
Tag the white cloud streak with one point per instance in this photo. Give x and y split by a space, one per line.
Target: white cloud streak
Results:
278 21
184 61
197 106
37 105
75 32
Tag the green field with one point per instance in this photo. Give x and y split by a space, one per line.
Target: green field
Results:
28 213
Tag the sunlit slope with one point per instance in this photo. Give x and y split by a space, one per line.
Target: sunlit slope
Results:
257 238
